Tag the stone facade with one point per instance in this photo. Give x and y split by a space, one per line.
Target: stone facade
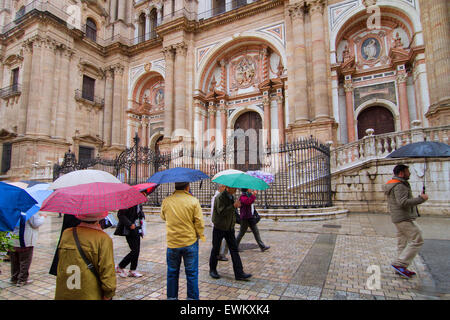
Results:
184 71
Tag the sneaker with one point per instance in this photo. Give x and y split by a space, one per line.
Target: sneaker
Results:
214 274
411 273
121 272
402 271
23 283
134 274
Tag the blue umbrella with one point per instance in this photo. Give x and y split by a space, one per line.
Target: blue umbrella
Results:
39 192
177 175
13 201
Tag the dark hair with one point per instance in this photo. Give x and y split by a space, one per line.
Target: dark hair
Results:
244 190
400 168
181 185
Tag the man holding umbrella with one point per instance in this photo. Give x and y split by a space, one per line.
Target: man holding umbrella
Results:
403 208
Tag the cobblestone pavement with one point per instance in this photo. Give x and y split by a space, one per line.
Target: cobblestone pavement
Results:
313 260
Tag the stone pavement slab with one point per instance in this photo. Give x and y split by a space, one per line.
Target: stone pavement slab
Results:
308 260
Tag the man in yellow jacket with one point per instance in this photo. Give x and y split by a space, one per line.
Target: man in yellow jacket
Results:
184 225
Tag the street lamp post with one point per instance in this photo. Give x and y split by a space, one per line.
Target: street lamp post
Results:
136 145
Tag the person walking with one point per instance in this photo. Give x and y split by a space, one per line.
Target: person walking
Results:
74 280
224 220
130 226
247 199
223 246
403 210
184 226
22 254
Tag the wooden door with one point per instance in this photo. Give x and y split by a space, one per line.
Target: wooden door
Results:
378 118
251 148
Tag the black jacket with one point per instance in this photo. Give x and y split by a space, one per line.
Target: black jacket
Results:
126 218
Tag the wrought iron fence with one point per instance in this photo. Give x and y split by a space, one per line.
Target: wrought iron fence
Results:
301 171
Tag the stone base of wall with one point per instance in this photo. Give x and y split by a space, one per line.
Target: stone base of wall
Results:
360 188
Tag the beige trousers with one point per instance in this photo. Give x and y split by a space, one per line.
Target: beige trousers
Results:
409 242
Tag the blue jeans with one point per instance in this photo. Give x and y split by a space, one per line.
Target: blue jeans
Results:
190 257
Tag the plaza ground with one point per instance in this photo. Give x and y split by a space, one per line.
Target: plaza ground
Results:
313 260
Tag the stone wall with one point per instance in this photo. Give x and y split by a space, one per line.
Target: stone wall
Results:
360 188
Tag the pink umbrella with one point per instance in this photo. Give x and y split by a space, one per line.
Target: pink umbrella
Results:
148 187
93 198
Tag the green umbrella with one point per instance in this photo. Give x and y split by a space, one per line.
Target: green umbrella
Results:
241 180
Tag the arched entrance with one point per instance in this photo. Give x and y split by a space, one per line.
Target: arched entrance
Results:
247 141
378 118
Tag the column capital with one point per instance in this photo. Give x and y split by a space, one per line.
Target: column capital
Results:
181 48
168 53
348 86
297 10
402 78
316 6
118 69
266 100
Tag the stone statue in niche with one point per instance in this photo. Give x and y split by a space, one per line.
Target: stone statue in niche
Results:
146 97
159 97
371 49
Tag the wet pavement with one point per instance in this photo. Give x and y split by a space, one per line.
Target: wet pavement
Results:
341 259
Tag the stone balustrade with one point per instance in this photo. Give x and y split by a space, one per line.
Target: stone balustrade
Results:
373 147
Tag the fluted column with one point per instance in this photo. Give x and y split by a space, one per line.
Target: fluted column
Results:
281 124
180 86
63 94
107 112
265 58
403 101
300 113
112 10
168 92
267 123
223 75
117 105
319 62
348 86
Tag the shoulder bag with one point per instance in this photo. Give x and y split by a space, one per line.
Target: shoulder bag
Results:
83 256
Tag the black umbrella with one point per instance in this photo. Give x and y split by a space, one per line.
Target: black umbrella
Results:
424 149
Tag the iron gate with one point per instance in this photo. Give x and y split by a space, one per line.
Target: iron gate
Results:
301 169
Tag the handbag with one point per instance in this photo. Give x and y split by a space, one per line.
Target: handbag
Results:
256 216
83 256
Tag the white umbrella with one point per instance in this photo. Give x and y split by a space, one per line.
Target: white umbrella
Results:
78 177
226 172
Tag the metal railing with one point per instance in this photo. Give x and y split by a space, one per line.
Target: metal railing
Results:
10 91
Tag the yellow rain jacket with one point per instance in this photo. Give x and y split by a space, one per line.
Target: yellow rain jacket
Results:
184 219
75 281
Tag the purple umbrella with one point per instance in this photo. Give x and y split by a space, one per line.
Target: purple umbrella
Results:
265 176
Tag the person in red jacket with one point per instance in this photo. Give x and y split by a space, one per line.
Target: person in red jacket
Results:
247 219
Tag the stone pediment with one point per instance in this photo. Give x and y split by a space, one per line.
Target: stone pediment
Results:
6 134
215 95
85 66
13 59
87 138
271 84
399 55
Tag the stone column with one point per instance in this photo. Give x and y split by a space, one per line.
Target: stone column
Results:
348 86
121 12
26 81
439 38
180 86
223 75
168 92
32 106
63 94
403 101
107 112
117 105
267 123
147 25
112 10
205 129
48 69
300 114
212 122
265 58
319 62
281 124
223 121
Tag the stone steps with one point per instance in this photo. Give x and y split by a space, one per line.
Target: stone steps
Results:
307 214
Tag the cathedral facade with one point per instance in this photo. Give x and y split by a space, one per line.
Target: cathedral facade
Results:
91 75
